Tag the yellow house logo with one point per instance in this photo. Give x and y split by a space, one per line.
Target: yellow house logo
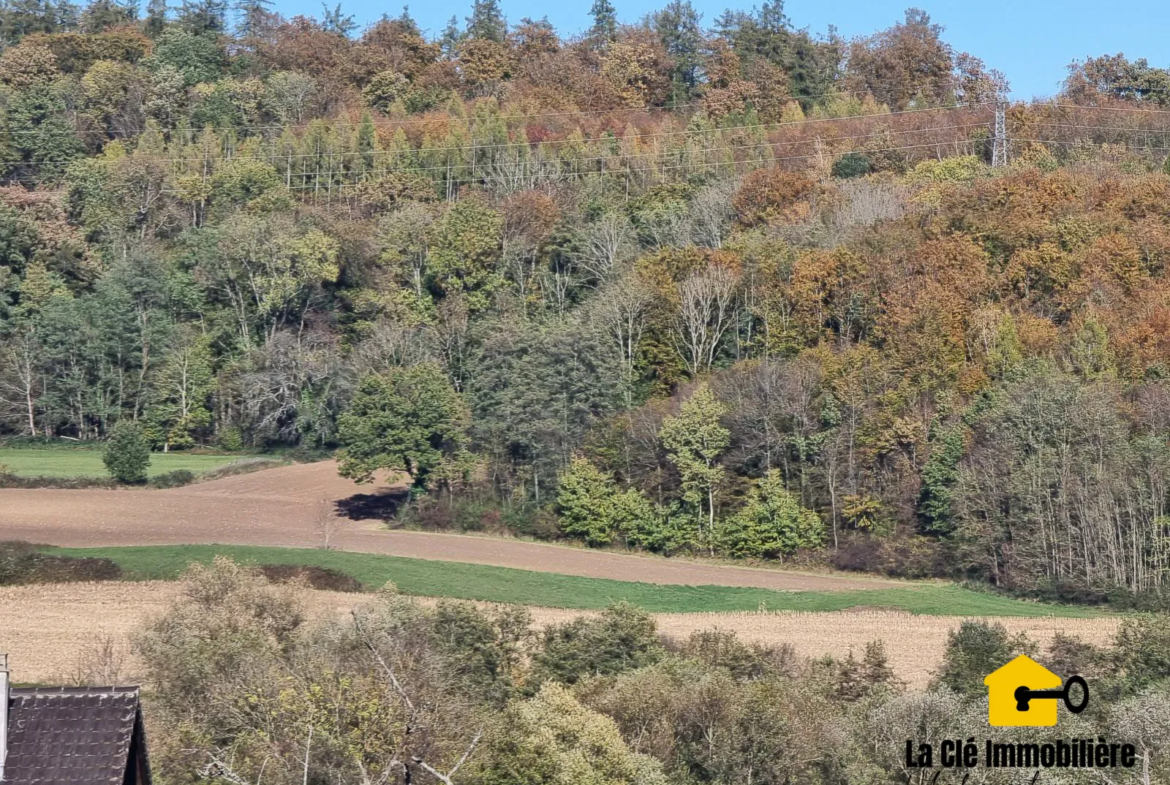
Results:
1023 694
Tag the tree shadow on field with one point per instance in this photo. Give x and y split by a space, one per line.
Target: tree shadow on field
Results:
382 504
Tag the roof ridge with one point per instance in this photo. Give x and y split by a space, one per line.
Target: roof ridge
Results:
79 690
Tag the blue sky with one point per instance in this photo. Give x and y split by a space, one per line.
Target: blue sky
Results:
1032 42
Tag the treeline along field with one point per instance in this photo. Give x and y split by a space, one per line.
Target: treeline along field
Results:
732 289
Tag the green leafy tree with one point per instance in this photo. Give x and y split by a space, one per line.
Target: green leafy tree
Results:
591 506
197 57
156 18
182 390
695 439
678 27
253 16
201 17
407 420
551 739
975 650
487 21
465 252
42 137
939 476
772 523
604 28
536 392
336 22
585 502
127 454
450 38
622 638
851 165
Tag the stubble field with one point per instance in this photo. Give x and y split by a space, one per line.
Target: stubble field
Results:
59 633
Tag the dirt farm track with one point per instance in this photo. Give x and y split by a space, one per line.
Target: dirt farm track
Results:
284 506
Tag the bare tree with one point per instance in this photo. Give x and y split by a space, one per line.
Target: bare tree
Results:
101 660
390 344
452 336
706 312
620 310
712 212
416 712
298 385
606 243
326 523
18 376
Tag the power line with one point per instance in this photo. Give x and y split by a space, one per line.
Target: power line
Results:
1107 108
665 111
779 124
659 154
625 172
420 151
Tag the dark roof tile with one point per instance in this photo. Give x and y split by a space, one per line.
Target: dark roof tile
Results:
69 735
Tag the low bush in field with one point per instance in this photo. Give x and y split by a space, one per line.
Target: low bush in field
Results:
22 563
242 466
10 480
175 479
315 577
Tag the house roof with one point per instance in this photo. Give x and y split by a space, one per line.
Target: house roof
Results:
71 735
1024 671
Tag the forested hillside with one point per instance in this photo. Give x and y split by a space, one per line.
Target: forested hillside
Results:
717 286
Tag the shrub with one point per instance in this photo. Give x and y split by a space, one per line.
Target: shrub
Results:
956 169
975 650
745 661
770 196
322 578
127 455
21 563
772 523
230 439
852 165
1143 649
1068 654
175 479
552 738
621 638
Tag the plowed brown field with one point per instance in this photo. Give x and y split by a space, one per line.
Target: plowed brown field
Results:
283 507
53 632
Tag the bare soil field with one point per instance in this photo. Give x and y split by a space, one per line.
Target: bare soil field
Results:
53 632
289 506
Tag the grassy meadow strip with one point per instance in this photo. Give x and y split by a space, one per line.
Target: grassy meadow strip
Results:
501 584
32 462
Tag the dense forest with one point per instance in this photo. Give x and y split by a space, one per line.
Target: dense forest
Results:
724 287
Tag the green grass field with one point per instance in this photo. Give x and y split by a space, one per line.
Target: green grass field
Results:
500 584
83 462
